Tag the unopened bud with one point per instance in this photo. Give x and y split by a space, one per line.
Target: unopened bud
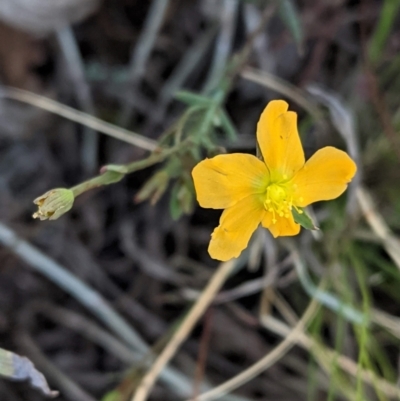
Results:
54 204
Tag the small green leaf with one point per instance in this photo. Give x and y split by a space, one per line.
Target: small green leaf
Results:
111 177
117 168
303 219
192 99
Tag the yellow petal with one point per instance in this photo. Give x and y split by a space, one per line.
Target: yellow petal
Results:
279 139
237 224
267 220
325 176
224 180
284 227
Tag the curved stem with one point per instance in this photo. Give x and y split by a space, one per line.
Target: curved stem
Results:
184 329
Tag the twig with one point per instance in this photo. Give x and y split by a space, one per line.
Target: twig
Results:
78 116
184 329
265 362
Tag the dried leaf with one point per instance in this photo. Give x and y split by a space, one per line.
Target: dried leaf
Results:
13 366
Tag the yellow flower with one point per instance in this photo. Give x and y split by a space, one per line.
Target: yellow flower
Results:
254 192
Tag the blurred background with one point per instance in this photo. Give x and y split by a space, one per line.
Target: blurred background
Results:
92 297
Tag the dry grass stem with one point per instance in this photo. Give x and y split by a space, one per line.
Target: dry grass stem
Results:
78 117
329 358
264 363
202 303
378 225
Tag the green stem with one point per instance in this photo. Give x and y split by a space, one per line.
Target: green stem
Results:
106 178
113 173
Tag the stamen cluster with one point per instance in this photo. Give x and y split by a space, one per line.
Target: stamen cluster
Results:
278 201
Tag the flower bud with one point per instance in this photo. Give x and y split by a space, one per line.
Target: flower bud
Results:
54 204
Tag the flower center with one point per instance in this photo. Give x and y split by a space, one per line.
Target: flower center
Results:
278 201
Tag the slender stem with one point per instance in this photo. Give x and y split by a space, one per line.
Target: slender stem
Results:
184 329
114 173
79 117
106 178
265 362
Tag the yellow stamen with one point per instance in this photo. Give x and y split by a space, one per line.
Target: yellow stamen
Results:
278 201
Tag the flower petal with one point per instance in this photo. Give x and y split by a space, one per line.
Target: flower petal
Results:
224 180
325 176
279 139
284 227
237 225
